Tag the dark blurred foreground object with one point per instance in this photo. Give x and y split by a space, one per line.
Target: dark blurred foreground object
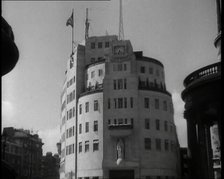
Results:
7 171
9 50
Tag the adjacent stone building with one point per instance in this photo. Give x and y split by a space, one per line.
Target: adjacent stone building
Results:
23 151
50 166
116 115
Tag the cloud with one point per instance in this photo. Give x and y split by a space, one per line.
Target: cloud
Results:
179 119
50 137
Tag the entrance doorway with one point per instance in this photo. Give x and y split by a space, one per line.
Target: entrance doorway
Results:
121 174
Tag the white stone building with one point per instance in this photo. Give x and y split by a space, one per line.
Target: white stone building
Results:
116 116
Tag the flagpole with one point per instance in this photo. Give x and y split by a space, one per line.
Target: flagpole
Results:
72 31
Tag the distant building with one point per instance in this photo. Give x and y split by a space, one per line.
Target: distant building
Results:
184 163
202 97
23 151
50 166
116 115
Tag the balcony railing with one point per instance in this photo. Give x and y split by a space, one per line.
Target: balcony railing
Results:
210 70
93 89
120 126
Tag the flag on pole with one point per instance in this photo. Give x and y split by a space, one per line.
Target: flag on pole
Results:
70 21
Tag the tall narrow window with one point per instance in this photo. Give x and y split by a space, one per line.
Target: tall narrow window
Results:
142 69
73 111
157 124
92 45
166 144
108 103
165 125
120 84
115 85
92 74
107 44
158 144
95 145
100 72
73 94
87 126
80 109
164 105
87 106
80 147
147 123
120 102
131 102
148 143
100 44
146 102
86 146
80 128
125 83
96 105
157 103
115 103
95 126
125 67
125 102
120 67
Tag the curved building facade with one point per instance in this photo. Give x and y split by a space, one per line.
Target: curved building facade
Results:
122 125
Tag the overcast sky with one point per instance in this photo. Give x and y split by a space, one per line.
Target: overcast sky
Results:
179 33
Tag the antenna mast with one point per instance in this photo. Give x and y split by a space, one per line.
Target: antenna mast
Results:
121 30
87 25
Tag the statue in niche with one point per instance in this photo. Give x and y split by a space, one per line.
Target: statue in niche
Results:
120 150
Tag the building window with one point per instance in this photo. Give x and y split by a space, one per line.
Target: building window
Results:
125 67
80 147
120 102
107 44
125 121
115 85
73 111
158 144
108 103
99 58
131 102
87 107
95 177
80 109
87 126
146 102
108 121
86 146
92 45
165 125
100 44
100 72
157 103
95 126
115 103
120 121
92 74
80 128
95 145
125 102
92 60
164 105
147 143
142 69
157 124
120 84
147 123
119 67
125 83
166 145
96 105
